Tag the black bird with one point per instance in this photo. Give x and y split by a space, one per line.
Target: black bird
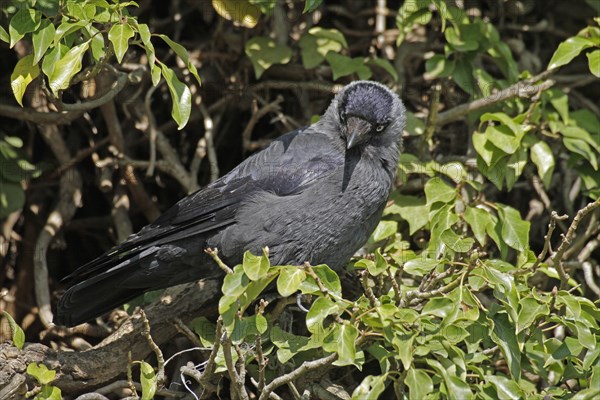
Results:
314 194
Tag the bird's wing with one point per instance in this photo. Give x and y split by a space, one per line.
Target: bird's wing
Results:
287 166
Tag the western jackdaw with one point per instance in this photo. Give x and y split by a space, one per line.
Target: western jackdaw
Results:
313 195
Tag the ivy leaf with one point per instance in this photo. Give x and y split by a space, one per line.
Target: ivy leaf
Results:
181 52
420 266
66 68
530 310
515 231
384 230
119 35
386 66
594 62
289 280
343 66
478 220
255 267
311 5
42 38
455 242
503 334
24 73
436 190
24 21
41 373
419 383
318 42
181 96
264 52
346 335
412 209
240 11
370 388
18 336
4 35
542 157
319 310
505 388
568 50
148 381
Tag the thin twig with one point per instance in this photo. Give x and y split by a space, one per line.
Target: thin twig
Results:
297 373
214 253
257 114
210 144
520 89
547 239
236 380
160 375
557 257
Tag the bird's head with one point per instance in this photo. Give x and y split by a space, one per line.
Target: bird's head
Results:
369 113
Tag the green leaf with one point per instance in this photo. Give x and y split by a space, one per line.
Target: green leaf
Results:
24 73
4 35
505 388
181 96
594 62
289 280
384 230
318 42
542 157
18 336
530 310
515 231
568 50
12 197
386 66
319 310
327 276
97 45
462 40
41 373
181 52
235 284
66 68
412 209
456 388
503 335
515 164
148 381
264 52
370 388
261 324
582 148
239 11
346 335
455 242
311 5
479 220
42 38
24 21
254 266
49 393
343 66
420 266
119 35
439 307
419 384
438 66
436 190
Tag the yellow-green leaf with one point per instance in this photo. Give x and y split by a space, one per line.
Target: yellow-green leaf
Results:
148 381
66 68
119 35
24 73
568 50
18 336
42 38
24 21
239 11
181 96
264 52
594 62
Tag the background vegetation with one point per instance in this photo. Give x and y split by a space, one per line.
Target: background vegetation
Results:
480 282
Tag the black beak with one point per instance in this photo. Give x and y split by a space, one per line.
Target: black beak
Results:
357 130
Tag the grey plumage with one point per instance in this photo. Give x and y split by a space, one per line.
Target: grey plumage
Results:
314 195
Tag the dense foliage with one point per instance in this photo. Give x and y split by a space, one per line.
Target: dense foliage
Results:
480 282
